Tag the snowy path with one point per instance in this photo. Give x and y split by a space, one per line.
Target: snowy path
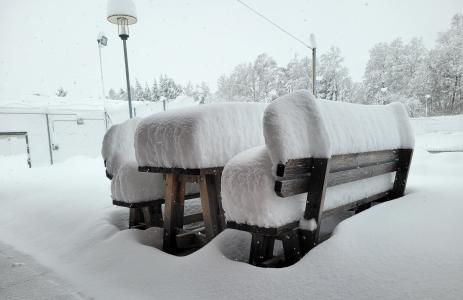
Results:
21 277
409 248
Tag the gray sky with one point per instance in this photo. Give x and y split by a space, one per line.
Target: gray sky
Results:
52 43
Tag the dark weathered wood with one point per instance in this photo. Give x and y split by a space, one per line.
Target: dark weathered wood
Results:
338 162
362 160
181 171
135 217
193 218
400 182
294 167
152 215
261 249
173 211
262 230
360 173
138 204
191 239
315 201
291 246
290 187
210 198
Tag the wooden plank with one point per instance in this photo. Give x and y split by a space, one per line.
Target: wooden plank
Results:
400 181
210 206
181 171
362 160
191 239
193 218
174 198
261 249
360 173
263 230
315 202
151 202
291 247
135 217
338 162
290 187
138 204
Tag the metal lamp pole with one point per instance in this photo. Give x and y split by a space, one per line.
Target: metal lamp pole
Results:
124 38
123 13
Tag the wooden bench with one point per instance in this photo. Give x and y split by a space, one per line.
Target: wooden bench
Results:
342 155
175 237
313 176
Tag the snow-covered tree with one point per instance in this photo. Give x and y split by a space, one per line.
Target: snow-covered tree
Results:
147 95
446 69
138 92
336 83
155 95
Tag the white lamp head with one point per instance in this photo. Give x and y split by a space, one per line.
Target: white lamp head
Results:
122 9
313 42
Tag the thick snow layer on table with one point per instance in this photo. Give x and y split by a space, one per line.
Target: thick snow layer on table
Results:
248 194
298 126
408 248
129 185
437 124
118 148
199 137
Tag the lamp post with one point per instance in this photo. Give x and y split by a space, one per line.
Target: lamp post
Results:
426 110
102 41
123 13
313 44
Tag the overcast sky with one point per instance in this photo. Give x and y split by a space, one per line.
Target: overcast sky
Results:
45 44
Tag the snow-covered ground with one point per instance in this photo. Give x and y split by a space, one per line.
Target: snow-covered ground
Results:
409 248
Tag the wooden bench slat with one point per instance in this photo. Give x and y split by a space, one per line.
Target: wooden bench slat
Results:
338 162
181 171
360 173
291 187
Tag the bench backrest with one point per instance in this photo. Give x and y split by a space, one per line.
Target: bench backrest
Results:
316 144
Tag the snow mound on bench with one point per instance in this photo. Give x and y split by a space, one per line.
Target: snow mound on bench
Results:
117 149
297 126
131 186
199 137
248 195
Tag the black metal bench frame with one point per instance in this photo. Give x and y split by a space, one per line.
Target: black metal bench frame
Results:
313 176
176 237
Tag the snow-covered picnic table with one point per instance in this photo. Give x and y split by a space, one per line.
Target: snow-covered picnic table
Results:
193 145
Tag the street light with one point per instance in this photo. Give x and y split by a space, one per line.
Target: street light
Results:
313 44
102 41
123 13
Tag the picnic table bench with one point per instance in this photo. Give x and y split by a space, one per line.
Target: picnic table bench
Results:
142 193
320 157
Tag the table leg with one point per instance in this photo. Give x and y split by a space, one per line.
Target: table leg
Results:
173 210
211 205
